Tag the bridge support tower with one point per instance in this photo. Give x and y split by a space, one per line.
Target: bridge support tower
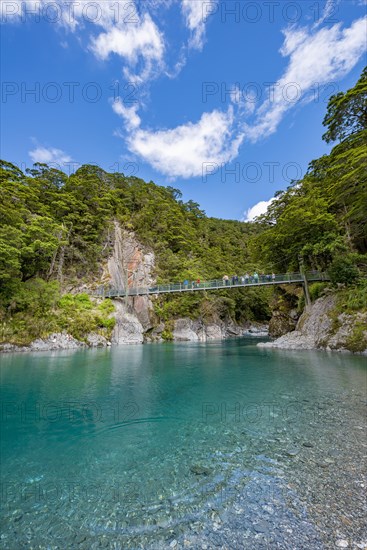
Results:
306 290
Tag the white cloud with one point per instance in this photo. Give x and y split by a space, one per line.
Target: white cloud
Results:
316 58
102 13
129 114
142 41
196 13
130 42
245 103
186 150
50 155
329 10
126 31
256 210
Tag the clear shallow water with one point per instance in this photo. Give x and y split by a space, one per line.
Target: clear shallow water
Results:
134 447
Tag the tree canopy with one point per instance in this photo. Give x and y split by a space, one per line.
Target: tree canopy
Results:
324 214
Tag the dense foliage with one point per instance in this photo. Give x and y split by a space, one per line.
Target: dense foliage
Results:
324 215
58 230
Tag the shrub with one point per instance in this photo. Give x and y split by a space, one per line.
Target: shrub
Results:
357 342
108 323
35 297
343 269
354 298
106 307
83 301
316 290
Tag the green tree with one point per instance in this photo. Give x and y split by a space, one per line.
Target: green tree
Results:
347 112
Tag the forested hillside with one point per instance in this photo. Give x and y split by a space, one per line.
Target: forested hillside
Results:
323 216
55 232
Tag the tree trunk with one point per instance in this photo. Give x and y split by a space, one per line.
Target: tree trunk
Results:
61 265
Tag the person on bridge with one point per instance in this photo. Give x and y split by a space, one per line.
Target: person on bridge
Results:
247 277
273 277
225 279
256 277
186 283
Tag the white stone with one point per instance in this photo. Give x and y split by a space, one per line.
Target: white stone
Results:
183 331
342 543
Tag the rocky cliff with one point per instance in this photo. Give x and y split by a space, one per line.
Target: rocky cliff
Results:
323 326
130 263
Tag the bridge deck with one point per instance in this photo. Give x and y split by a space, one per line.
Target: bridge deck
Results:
217 284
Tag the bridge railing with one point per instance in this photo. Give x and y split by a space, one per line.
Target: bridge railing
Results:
213 284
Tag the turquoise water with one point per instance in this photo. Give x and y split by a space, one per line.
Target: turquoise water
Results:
135 444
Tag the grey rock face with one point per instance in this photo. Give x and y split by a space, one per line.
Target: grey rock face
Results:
184 331
142 307
96 340
231 329
316 328
128 329
156 334
130 264
214 332
192 331
293 340
116 261
56 341
315 322
281 323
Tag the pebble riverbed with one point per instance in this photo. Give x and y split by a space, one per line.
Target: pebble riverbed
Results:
300 484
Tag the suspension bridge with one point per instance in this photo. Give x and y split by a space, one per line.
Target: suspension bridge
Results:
216 284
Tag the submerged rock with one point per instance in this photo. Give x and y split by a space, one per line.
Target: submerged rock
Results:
261 331
342 543
261 526
200 470
292 452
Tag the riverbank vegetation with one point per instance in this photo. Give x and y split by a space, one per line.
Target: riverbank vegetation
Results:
40 309
56 233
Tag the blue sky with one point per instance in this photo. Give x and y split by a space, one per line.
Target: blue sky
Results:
224 100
